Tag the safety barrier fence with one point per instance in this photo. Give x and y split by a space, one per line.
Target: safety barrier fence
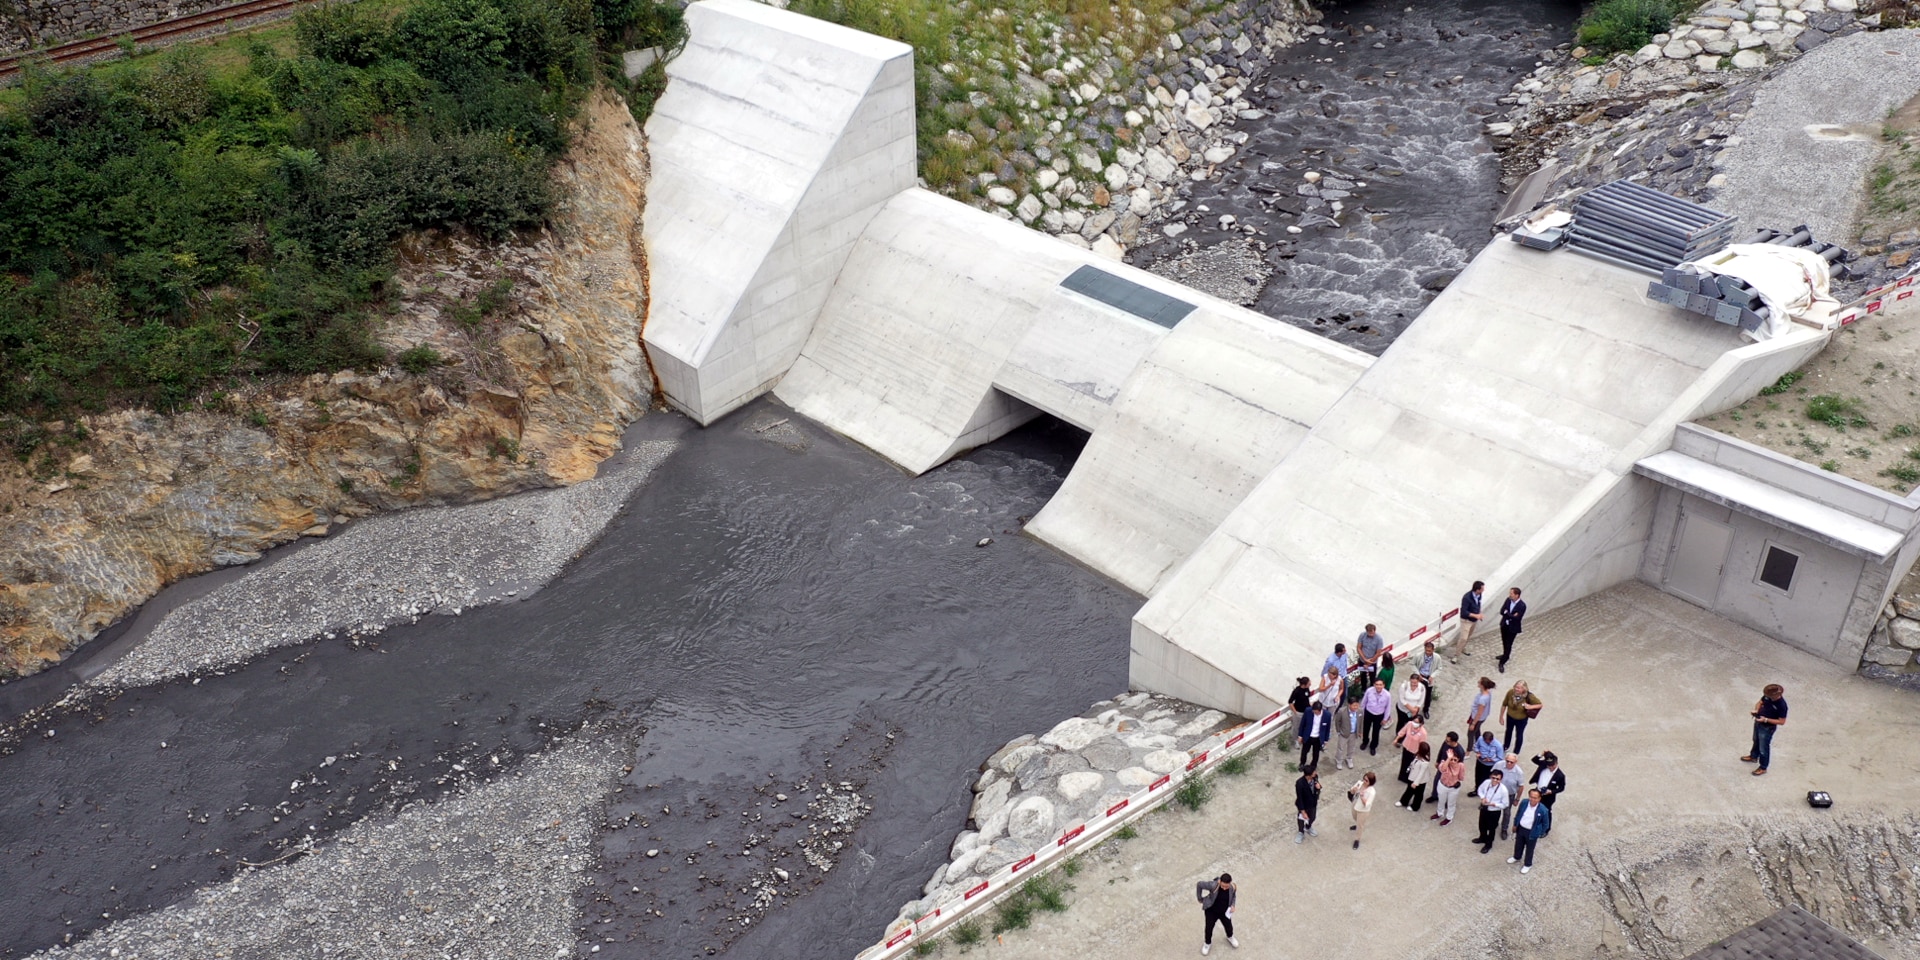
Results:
1875 300
1080 837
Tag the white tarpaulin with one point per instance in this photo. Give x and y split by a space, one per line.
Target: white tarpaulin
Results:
1792 281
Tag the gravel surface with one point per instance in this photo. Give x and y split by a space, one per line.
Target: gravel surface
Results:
1813 134
489 872
388 569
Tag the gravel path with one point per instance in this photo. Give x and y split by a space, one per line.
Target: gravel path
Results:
489 872
1785 171
388 569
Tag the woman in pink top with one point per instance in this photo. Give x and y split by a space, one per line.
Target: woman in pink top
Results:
1452 771
1411 738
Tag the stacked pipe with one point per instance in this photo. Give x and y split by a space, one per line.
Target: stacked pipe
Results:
1733 301
1641 228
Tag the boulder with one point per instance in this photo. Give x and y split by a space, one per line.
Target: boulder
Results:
1165 761
1046 178
1073 786
1001 196
1887 656
988 802
1028 209
1203 722
1749 60
966 841
1219 154
1109 248
1032 818
1159 166
964 864
1904 606
933 883
1904 633
1110 754
1116 177
1074 733
1198 115
1097 224
1136 777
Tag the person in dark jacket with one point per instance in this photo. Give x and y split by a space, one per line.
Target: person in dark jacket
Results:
1470 617
1315 727
1301 697
1216 904
1769 715
1531 821
1306 802
1512 613
1547 777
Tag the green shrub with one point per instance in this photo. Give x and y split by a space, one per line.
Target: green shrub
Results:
418 359
1235 766
1126 832
1194 792
1903 473
967 934
1786 381
349 33
1617 26
1835 411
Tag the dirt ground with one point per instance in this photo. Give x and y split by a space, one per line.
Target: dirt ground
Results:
1662 843
1872 428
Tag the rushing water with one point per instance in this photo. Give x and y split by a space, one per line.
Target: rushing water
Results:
758 609
1393 116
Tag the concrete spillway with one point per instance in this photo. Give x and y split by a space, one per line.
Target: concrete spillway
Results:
1267 490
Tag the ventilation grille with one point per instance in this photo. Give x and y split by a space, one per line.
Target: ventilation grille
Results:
1147 304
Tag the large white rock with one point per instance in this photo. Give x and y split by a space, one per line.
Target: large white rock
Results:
1127 158
967 840
963 864
1075 785
1001 196
1647 54
988 802
1676 50
1198 115
1202 722
1116 176
1074 733
1108 247
1136 776
1159 165
1140 201
1219 154
1749 60
1032 818
1030 207
1165 761
1086 158
1905 632
1012 759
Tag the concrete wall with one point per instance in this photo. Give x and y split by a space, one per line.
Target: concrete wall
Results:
777 140
1211 410
1501 425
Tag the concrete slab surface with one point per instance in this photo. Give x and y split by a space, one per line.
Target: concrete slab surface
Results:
1662 843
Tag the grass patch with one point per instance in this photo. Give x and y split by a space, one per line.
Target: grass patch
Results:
1126 832
1622 26
967 934
1194 792
1903 473
1042 894
1782 385
419 359
1235 766
1835 411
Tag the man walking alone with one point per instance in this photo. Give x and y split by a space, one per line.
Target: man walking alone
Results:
1531 823
1470 617
1511 614
1769 715
1306 802
1216 904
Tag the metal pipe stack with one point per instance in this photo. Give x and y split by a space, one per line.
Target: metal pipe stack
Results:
1731 300
1641 228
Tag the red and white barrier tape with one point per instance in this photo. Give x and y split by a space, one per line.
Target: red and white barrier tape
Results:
1873 301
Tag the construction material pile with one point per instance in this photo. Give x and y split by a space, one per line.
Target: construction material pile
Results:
1757 283
1641 228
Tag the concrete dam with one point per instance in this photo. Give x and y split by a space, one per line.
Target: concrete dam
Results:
1266 490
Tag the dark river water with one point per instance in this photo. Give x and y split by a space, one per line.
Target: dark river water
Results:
1392 118
756 610
767 613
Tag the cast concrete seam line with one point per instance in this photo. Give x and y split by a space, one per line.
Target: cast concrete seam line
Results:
1089 833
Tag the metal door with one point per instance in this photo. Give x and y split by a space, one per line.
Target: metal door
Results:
1699 556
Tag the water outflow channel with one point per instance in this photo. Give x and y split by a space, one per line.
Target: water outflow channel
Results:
776 614
1388 107
757 610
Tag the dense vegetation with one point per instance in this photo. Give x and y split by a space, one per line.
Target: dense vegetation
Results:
166 227
1620 26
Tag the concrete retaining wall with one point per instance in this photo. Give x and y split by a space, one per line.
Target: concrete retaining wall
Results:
778 138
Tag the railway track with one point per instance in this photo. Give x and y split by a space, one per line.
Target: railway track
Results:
153 34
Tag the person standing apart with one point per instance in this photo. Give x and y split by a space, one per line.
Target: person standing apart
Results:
1514 778
1361 793
1520 706
1481 709
1452 771
1410 739
1315 727
1346 733
1306 802
1373 709
1450 747
1216 904
1470 617
1511 614
1493 799
1530 823
1416 791
1547 778
1769 715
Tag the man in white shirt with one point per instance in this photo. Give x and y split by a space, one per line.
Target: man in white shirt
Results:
1514 778
1493 800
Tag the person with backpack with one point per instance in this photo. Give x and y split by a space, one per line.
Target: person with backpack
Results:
1306 802
1216 905
1530 822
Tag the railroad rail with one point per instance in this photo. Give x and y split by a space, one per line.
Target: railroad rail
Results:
153 34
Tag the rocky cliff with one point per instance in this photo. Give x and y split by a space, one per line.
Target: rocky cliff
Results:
532 364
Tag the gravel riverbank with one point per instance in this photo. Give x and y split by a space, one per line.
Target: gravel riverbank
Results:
388 569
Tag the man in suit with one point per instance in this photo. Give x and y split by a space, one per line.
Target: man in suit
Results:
1531 821
1470 617
1306 802
1547 777
1315 727
1511 614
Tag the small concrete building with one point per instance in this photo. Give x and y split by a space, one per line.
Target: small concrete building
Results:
1803 555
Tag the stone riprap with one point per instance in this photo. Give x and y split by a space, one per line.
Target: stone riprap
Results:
1894 644
1119 139
1036 786
27 25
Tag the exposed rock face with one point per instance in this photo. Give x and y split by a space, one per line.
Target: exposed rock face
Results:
533 395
